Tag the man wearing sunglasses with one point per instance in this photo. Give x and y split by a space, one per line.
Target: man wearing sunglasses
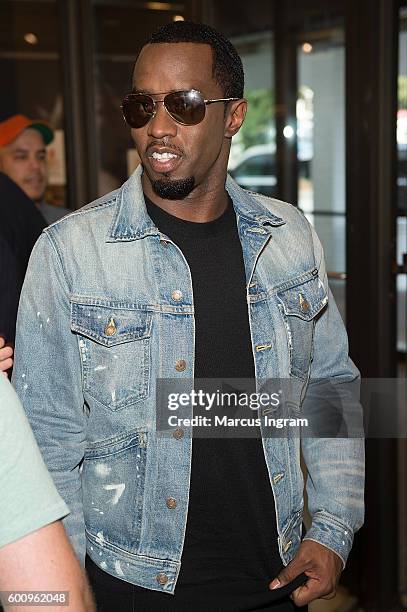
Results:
179 276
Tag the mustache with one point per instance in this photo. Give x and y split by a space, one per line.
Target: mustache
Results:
37 177
164 142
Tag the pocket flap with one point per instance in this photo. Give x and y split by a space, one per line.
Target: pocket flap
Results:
110 326
304 300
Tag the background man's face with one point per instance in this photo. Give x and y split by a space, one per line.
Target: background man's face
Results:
201 150
24 161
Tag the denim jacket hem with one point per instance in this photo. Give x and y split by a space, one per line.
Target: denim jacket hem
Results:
140 570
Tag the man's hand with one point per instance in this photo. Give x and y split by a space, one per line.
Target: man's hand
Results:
6 353
323 568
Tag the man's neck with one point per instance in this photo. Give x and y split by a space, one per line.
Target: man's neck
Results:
199 206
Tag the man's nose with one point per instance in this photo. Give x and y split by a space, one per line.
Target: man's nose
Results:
162 124
35 164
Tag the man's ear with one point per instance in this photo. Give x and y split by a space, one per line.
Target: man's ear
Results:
235 117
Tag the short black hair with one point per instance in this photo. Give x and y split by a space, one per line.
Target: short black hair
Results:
227 65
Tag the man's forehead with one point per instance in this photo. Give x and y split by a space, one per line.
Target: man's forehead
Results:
183 50
177 61
28 139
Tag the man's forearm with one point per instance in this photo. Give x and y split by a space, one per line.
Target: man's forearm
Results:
44 561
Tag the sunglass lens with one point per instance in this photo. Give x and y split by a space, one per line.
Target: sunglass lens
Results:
138 110
186 107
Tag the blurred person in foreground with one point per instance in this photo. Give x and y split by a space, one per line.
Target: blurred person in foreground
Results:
35 553
182 275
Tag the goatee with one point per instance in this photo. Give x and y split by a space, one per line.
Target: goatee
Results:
176 189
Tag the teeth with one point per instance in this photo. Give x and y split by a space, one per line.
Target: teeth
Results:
163 156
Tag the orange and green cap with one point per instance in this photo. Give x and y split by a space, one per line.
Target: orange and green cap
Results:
13 126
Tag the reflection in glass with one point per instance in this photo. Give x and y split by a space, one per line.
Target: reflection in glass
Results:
252 160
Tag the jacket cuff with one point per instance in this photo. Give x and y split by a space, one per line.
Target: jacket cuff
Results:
332 533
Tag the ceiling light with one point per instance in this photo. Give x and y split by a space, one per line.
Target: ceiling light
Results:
307 47
30 38
159 6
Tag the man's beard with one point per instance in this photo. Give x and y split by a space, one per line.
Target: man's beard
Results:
176 189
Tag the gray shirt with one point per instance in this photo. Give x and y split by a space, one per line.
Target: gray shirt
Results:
52 213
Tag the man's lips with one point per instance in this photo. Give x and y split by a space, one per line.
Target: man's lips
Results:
164 159
35 181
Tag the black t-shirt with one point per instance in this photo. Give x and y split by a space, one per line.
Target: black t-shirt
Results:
230 552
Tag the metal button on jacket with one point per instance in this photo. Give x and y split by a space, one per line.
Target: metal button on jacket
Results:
180 365
171 503
176 295
304 304
110 328
162 578
178 433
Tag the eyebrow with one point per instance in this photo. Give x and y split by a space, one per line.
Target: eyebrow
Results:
28 150
135 90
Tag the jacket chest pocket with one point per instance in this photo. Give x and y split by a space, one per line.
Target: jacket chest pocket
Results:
115 352
300 306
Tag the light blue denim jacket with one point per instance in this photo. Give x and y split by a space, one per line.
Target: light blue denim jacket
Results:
90 393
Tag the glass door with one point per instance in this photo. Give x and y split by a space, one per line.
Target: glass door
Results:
402 194
401 280
120 29
321 144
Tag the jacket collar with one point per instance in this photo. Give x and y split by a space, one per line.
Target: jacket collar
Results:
131 220
248 206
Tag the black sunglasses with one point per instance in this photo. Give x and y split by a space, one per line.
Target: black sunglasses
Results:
185 107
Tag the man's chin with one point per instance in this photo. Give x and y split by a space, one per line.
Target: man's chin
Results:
35 195
173 189
37 199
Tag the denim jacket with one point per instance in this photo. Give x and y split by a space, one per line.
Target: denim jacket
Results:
106 310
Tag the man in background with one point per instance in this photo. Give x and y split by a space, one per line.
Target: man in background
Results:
21 224
24 213
23 158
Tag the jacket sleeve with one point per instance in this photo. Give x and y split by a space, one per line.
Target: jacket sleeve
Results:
47 378
335 465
